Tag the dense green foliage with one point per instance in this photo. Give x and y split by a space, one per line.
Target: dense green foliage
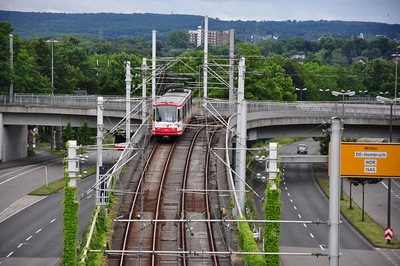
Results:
70 214
99 237
272 208
274 68
248 244
109 25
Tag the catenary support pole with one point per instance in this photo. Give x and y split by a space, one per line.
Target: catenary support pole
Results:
128 81
272 163
11 67
231 68
241 137
153 65
144 95
205 64
242 154
72 162
334 192
99 163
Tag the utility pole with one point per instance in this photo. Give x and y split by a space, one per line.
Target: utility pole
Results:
128 81
99 164
205 64
334 192
241 137
144 77
153 65
11 67
231 66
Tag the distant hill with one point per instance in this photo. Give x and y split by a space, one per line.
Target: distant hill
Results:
110 25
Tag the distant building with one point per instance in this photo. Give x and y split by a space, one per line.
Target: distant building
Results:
256 38
214 37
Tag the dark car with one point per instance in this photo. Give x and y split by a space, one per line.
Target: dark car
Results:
302 149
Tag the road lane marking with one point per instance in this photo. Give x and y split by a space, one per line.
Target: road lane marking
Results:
14 171
305 225
53 220
28 238
299 215
295 207
38 230
321 247
9 255
291 200
23 173
312 235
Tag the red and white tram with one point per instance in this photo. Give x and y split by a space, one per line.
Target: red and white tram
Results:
172 113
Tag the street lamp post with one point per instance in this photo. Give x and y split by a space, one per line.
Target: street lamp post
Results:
301 92
323 91
82 159
396 56
363 92
343 93
52 40
391 102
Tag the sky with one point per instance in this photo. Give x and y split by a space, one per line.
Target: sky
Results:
386 11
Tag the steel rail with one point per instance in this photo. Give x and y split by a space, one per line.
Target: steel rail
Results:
183 195
210 231
156 231
133 204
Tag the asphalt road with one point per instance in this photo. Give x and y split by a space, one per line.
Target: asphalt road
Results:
36 232
31 226
302 200
376 202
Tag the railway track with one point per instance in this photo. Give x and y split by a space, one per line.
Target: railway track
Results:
171 193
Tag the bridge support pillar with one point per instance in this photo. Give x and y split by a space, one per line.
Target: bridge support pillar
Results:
13 141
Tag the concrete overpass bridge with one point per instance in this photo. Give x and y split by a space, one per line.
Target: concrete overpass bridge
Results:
265 119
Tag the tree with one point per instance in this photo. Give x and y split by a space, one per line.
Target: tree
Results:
363 181
265 79
178 39
5 71
379 77
68 133
84 135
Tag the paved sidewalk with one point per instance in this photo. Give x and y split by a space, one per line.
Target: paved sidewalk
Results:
19 205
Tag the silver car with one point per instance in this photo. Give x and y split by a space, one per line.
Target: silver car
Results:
302 149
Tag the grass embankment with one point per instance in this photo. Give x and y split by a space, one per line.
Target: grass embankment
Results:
372 231
57 185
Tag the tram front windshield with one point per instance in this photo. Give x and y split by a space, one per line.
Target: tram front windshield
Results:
165 114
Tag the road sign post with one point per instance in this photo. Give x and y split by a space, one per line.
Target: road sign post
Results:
334 192
389 234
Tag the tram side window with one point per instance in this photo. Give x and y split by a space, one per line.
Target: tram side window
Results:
166 114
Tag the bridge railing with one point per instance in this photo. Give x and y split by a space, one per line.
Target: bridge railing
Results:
67 100
317 109
372 109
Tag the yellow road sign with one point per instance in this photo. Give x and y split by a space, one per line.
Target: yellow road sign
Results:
370 159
